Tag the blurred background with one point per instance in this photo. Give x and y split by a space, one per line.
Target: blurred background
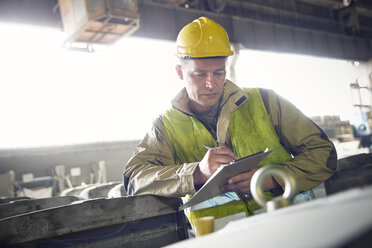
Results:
81 81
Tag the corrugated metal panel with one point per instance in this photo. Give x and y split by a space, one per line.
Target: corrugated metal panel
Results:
253 34
349 47
243 31
335 46
314 34
264 36
161 27
285 39
319 43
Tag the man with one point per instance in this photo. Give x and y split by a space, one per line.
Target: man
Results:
214 122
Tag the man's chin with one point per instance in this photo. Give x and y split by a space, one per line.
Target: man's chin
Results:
210 99
209 106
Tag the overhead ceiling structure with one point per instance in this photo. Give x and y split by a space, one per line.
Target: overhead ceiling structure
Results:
98 21
324 28
328 28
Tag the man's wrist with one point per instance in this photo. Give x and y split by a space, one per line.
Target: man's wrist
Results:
270 183
197 176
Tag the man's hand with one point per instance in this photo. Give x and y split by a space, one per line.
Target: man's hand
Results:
212 160
242 183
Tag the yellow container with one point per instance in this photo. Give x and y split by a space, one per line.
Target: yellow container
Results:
204 225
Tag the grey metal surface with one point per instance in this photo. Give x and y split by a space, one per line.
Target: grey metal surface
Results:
10 199
352 171
98 191
117 191
335 221
156 231
75 190
30 205
86 216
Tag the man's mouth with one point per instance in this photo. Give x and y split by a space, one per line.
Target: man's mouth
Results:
209 94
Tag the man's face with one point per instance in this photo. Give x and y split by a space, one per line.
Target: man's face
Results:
204 80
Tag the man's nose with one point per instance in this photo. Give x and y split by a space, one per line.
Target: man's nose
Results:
210 82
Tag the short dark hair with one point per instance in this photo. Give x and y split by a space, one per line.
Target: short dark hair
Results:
183 60
193 58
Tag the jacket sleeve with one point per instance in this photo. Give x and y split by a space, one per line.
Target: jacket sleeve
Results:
314 156
152 168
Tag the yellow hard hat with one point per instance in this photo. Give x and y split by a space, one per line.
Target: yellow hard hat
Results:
203 38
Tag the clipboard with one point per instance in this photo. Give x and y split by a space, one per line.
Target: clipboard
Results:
211 188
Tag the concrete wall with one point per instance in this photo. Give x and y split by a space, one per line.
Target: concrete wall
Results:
41 161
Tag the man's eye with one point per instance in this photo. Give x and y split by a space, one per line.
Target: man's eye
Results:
200 75
219 73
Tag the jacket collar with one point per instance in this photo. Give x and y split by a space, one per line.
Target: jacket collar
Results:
233 96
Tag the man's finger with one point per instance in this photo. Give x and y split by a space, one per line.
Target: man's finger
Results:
241 177
222 159
236 188
224 151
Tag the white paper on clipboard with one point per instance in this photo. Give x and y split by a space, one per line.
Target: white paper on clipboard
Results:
211 188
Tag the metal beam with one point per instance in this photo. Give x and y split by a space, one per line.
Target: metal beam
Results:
253 34
263 25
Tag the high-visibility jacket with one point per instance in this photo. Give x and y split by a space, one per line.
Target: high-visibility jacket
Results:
250 131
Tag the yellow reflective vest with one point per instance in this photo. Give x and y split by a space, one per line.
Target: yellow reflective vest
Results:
250 131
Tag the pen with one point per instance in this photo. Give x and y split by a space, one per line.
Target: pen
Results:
207 147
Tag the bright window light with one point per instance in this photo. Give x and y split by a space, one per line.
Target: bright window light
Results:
317 86
54 96
50 95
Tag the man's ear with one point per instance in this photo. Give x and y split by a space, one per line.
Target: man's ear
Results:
179 71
